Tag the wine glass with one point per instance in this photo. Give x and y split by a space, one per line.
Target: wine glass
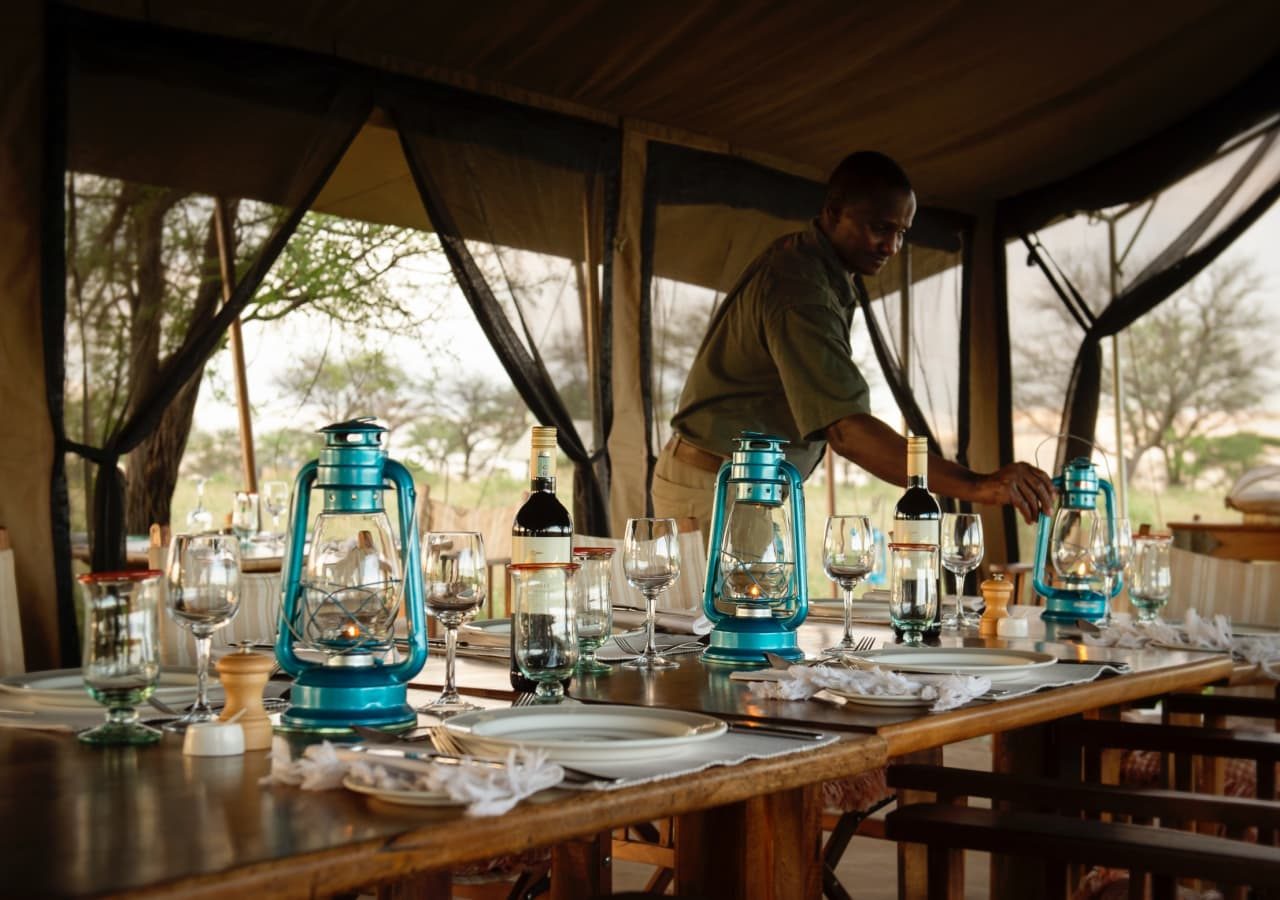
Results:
848 555
200 519
961 549
1149 576
1110 551
204 594
544 625
120 658
455 580
651 561
275 497
244 515
595 604
913 589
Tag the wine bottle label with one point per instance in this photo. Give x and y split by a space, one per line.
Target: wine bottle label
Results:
542 549
545 466
915 531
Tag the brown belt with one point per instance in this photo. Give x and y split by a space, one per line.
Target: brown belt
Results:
701 459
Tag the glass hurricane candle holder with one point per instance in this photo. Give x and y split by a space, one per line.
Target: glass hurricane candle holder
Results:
121 653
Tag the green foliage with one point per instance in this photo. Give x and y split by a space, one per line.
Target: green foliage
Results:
337 388
1229 456
473 417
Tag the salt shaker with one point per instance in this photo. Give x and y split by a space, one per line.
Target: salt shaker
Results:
996 594
244 675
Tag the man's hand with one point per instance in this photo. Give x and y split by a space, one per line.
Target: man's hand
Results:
1023 485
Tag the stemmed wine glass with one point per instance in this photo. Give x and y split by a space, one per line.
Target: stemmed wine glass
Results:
848 555
1150 580
244 515
1110 552
275 497
199 519
962 550
455 580
651 561
204 594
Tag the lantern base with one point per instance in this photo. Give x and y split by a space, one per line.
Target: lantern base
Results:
740 642
1067 606
329 700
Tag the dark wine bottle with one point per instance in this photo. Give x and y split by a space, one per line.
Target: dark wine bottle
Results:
542 531
917 518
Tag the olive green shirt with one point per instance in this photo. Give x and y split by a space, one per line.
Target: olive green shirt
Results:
776 357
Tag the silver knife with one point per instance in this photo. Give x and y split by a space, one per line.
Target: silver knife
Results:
757 728
423 754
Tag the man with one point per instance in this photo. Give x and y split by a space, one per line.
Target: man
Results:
776 359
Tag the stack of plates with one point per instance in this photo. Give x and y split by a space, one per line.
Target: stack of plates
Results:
993 663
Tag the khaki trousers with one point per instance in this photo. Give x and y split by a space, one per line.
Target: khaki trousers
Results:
680 490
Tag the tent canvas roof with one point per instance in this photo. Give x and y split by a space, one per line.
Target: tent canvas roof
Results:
978 101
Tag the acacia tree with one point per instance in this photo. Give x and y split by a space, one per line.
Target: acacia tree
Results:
1191 366
474 417
142 274
1197 364
364 383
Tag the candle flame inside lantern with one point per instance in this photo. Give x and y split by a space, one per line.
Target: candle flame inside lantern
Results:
352 630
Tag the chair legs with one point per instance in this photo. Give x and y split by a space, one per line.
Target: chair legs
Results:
845 828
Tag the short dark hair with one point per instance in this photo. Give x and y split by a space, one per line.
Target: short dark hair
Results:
861 173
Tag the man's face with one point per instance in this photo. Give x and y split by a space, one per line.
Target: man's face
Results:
867 232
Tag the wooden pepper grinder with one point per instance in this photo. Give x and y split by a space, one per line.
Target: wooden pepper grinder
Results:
244 676
996 594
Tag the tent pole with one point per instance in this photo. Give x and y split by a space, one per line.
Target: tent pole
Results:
1117 381
223 232
904 322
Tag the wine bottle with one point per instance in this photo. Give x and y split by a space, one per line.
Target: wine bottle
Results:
917 518
542 531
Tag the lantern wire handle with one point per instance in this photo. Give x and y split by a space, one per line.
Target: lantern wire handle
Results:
1106 460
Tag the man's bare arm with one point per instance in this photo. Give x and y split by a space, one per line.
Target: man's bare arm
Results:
880 450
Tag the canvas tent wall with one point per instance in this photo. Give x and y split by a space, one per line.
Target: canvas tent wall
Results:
979 104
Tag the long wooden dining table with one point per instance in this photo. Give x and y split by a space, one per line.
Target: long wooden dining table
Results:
142 822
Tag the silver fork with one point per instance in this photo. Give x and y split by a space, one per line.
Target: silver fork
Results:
626 647
524 700
445 742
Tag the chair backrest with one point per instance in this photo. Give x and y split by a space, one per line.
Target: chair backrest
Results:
685 595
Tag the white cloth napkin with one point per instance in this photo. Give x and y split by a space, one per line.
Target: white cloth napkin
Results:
802 682
485 790
1195 633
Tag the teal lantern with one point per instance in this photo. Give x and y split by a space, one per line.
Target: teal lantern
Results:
757 590
341 601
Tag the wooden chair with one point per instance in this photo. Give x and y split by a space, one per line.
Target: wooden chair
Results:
1178 763
1052 822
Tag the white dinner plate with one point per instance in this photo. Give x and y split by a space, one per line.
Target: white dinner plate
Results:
994 663
400 797
894 700
587 733
65 687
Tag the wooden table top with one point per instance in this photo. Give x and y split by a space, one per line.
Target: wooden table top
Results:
142 822
706 688
150 821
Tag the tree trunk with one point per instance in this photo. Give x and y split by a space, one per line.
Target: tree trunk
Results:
153 464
